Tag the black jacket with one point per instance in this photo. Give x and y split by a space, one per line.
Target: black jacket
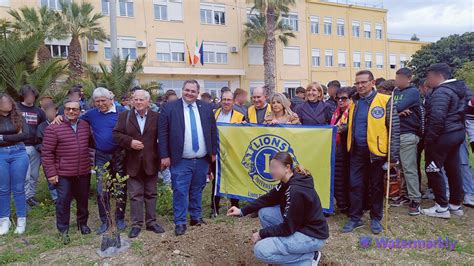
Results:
445 109
299 205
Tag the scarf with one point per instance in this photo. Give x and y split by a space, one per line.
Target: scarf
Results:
342 121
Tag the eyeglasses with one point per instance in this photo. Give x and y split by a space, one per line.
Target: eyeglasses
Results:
68 109
361 82
343 99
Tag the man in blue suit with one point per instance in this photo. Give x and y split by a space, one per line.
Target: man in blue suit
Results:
188 144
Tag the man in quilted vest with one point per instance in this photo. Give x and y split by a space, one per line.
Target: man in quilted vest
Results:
65 157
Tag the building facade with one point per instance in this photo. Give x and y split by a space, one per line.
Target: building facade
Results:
333 41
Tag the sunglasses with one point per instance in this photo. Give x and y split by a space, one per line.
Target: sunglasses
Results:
341 99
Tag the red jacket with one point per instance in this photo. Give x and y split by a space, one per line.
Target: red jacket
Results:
65 152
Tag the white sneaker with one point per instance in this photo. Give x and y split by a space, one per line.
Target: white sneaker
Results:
20 225
317 258
428 194
469 200
437 211
4 225
456 209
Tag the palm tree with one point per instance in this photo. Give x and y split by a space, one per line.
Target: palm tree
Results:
80 22
267 26
17 65
44 22
119 77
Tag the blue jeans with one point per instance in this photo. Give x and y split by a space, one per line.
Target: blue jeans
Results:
103 199
32 174
466 171
13 168
188 179
296 249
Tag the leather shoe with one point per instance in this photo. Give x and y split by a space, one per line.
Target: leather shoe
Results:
198 222
180 229
85 230
134 232
156 228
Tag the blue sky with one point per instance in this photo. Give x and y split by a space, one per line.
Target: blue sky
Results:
429 19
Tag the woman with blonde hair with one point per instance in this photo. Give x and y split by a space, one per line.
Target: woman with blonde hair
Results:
314 111
281 112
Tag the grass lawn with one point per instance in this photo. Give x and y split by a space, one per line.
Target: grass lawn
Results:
227 240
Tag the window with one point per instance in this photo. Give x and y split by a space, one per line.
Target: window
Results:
314 25
215 53
356 29
378 32
212 14
290 87
5 3
291 56
340 27
367 30
126 47
393 61
251 13
316 57
255 54
356 59
124 8
51 4
379 60
403 60
327 25
329 57
170 50
58 51
341 58
214 87
175 85
168 10
368 60
291 20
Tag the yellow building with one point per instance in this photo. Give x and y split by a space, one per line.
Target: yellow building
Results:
333 41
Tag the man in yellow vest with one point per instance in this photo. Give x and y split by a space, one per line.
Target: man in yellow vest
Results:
368 145
260 108
224 114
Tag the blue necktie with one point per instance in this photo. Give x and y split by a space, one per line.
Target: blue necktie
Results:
194 132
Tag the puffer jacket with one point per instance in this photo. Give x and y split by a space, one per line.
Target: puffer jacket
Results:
445 109
65 152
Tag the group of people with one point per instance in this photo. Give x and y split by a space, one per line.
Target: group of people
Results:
379 126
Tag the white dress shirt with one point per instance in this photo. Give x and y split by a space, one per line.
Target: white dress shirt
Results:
141 120
188 152
223 117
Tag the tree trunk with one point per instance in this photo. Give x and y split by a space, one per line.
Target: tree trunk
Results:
269 51
44 54
75 59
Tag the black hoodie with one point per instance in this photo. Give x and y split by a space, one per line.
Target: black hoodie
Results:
299 205
445 109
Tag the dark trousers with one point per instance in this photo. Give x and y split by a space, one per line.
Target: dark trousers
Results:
366 178
103 198
142 193
76 187
341 178
445 153
216 200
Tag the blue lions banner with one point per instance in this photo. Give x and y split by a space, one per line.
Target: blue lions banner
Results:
245 152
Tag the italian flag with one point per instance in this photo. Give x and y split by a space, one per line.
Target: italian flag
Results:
196 53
